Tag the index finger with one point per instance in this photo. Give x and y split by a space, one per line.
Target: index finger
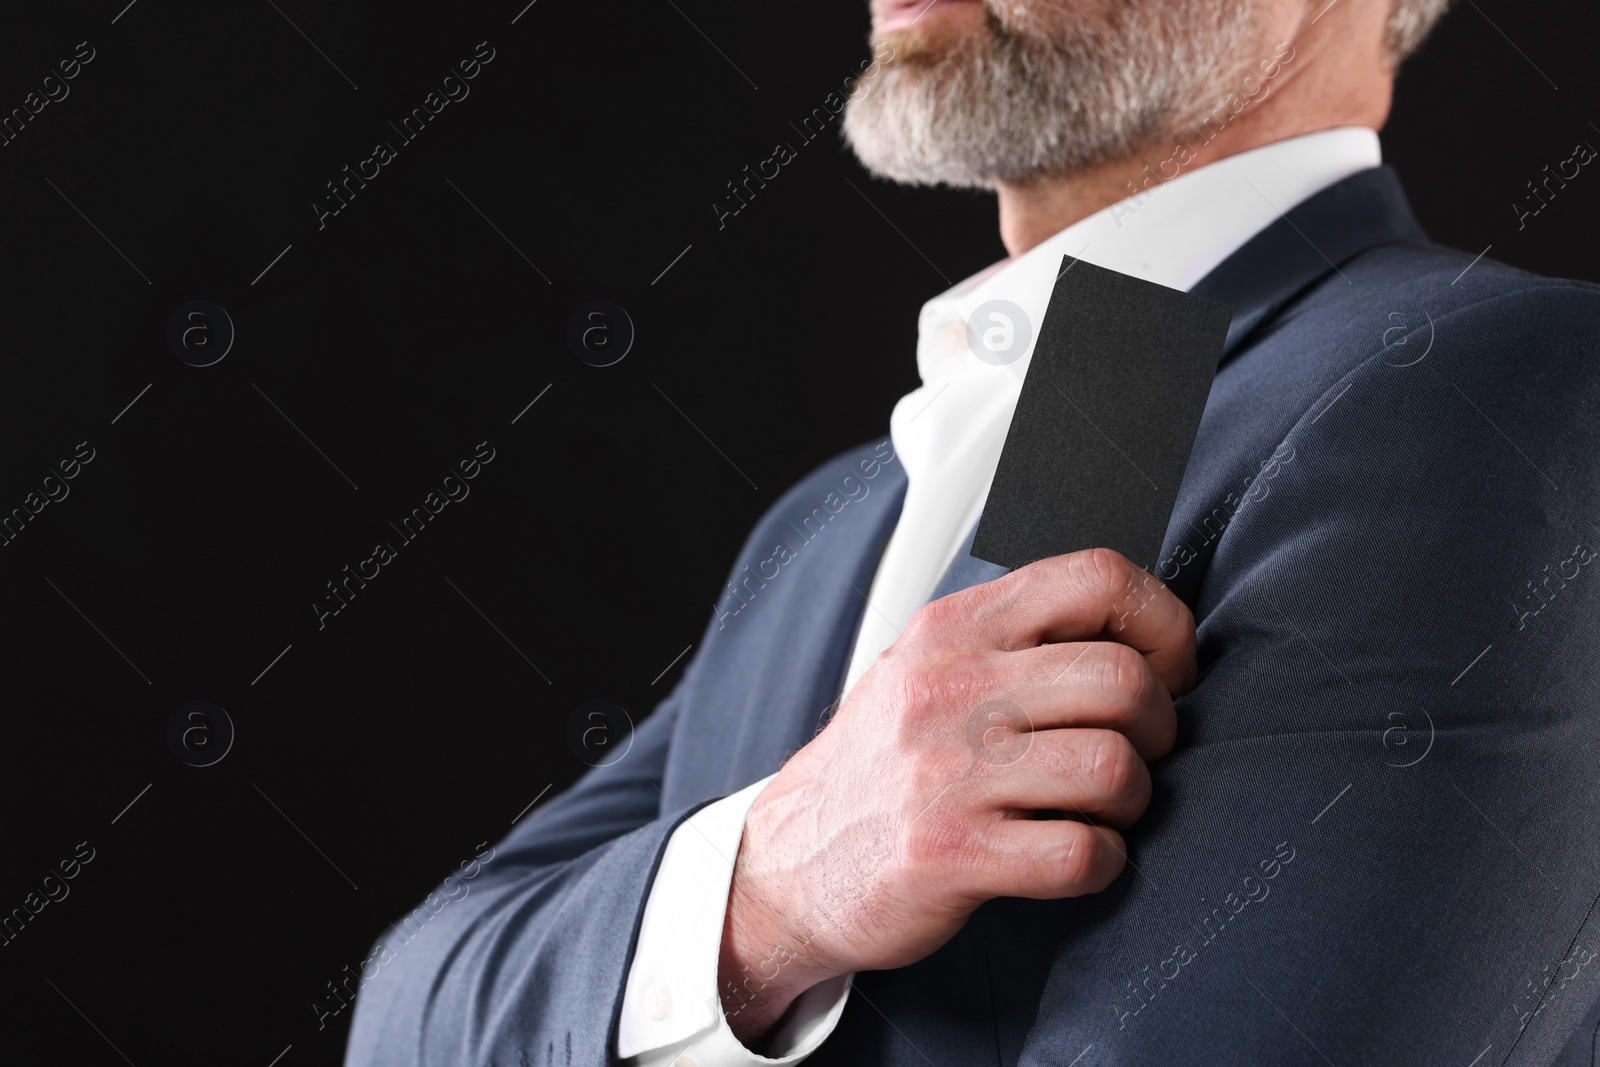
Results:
1094 594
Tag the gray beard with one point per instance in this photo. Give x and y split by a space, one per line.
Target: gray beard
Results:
1041 92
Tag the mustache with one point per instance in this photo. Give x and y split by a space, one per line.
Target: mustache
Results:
1007 25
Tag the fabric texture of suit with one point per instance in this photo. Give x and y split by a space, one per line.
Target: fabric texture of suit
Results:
1376 840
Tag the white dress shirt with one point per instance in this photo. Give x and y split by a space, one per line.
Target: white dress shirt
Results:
948 433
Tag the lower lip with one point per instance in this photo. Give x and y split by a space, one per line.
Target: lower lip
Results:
899 14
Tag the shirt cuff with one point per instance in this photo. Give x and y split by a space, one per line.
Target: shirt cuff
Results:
671 1013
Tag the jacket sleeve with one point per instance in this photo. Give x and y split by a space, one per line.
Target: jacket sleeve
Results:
522 960
1377 839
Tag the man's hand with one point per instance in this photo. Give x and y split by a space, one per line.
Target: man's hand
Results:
1045 690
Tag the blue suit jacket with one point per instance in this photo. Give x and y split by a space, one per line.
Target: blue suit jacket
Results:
1378 838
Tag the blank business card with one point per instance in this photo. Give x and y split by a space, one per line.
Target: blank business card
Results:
1106 419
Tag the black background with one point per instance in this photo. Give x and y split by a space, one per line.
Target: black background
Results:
379 751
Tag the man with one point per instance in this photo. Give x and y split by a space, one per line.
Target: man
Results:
1318 788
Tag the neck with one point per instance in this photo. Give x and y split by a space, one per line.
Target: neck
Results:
1322 82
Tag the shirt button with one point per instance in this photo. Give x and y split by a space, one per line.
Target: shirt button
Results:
658 1002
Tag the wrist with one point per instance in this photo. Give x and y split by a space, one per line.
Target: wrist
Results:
768 955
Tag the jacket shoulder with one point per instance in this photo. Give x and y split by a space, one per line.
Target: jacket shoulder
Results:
1450 280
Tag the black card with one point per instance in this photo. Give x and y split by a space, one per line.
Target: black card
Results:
1108 412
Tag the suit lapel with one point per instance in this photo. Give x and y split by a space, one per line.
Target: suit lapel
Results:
1365 210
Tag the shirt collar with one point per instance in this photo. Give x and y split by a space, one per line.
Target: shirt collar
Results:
1172 232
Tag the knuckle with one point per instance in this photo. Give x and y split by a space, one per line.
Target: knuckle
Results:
926 688
998 606
1110 566
1127 680
1103 572
1111 764
916 687
935 620
1080 857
